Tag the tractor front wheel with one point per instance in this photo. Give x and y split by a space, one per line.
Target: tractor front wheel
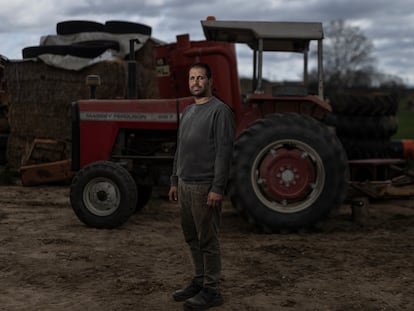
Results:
103 195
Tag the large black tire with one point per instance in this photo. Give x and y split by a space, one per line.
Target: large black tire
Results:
103 195
364 104
85 49
78 26
122 27
364 123
289 171
35 51
93 48
378 127
358 149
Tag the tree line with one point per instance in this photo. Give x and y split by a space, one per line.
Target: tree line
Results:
349 62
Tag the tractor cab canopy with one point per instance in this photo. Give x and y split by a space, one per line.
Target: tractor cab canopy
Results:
269 36
276 36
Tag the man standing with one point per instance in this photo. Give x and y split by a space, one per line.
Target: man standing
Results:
200 173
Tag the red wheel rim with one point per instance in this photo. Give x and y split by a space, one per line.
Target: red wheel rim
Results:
287 174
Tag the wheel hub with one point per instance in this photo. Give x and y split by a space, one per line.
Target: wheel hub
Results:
101 196
286 174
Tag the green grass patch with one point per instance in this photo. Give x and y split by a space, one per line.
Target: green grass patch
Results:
405 129
405 125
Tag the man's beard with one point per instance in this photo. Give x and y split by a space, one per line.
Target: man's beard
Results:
199 95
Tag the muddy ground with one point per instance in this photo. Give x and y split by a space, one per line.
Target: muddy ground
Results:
50 261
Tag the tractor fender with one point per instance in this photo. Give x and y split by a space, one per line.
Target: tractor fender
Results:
259 106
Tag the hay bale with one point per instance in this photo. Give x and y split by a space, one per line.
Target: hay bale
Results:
41 96
17 151
147 81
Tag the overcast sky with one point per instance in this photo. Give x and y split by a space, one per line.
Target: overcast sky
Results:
388 24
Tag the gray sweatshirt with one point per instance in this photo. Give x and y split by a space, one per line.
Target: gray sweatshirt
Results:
205 145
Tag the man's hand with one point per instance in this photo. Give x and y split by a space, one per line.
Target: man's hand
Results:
173 194
214 199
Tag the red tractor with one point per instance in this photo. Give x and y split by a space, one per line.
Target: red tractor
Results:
289 168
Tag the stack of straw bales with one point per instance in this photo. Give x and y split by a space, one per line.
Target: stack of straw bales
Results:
41 97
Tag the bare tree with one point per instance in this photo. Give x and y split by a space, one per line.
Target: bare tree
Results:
348 56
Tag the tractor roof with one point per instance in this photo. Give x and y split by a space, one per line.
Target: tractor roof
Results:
277 36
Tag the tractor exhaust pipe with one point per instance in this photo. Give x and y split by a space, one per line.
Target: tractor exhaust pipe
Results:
132 70
93 81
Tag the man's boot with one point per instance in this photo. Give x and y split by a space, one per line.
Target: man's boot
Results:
205 299
187 292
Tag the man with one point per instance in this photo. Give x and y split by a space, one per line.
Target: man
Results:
200 173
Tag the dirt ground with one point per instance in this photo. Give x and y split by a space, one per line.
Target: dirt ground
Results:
50 261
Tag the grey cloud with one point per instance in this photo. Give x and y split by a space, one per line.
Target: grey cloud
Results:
389 23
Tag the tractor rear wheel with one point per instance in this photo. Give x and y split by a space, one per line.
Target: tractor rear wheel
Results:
289 172
103 195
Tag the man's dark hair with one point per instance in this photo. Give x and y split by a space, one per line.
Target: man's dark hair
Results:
205 66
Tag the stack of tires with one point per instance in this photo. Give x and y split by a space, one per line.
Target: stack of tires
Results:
364 124
92 48
4 124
